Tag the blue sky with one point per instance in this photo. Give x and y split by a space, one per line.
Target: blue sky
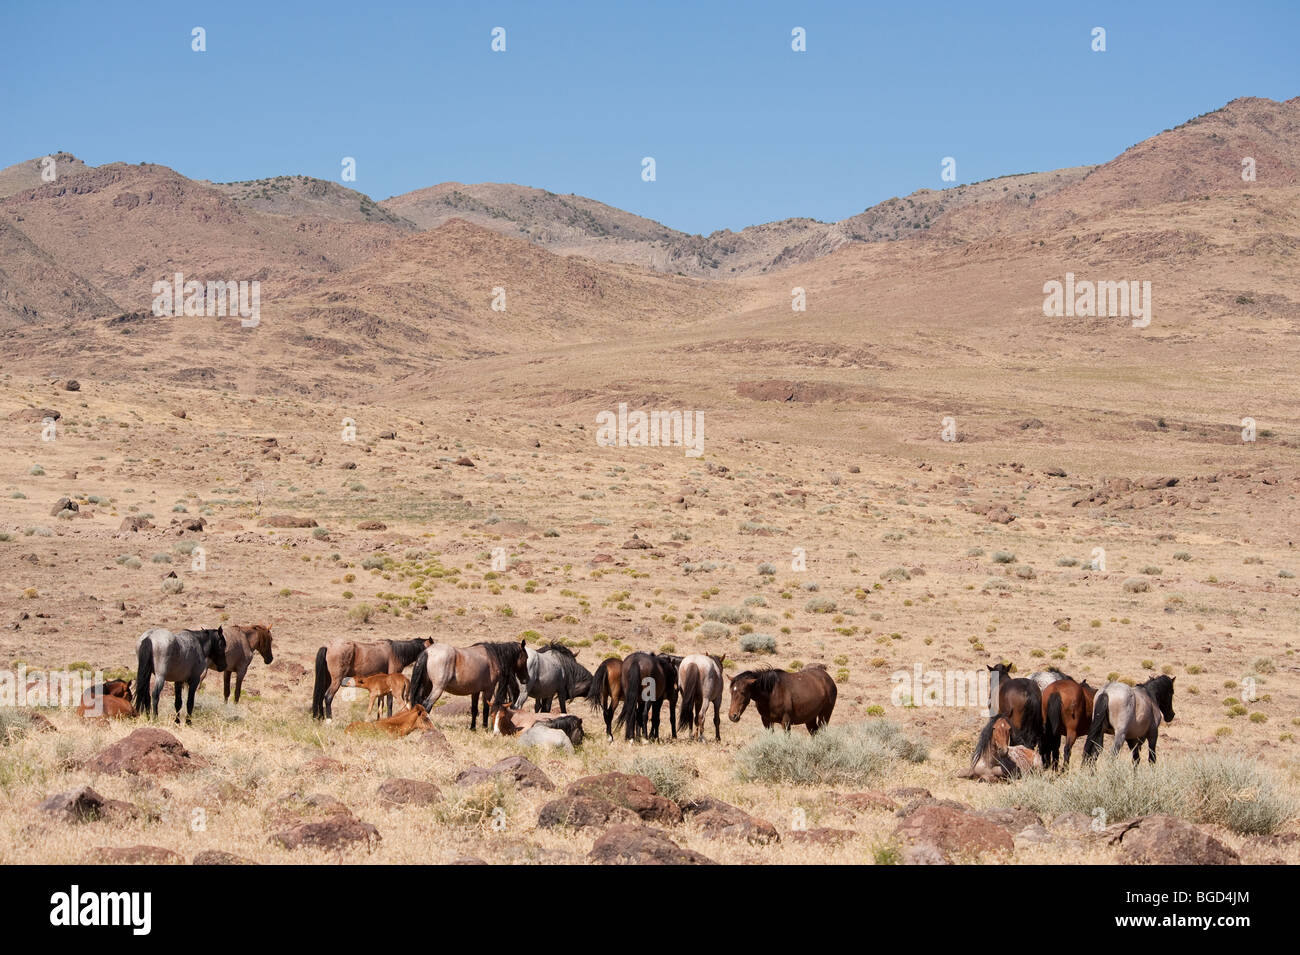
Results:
742 129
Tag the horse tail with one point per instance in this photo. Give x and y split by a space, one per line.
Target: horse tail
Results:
1097 731
690 689
322 684
143 673
1053 726
628 714
599 685
419 673
1033 718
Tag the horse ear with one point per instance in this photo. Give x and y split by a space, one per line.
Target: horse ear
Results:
575 654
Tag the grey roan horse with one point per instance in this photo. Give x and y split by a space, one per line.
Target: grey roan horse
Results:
182 657
1132 713
554 671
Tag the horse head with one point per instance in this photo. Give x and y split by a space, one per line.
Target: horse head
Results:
521 662
217 649
741 686
1162 691
263 642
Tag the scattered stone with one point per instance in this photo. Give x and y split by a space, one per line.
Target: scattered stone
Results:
954 832
134 855
822 836
522 772
628 844
83 804
145 752
409 792
718 819
339 831
1167 840
218 857
633 792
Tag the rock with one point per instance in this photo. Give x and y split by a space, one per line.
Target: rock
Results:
627 844
339 831
546 737
822 836
64 503
134 855
923 854
286 520
581 812
218 857
719 820
953 832
83 804
435 742
864 801
387 435
1074 824
150 751
409 792
467 860
1032 836
1014 819
633 792
1167 840
178 412
465 462
523 773
372 526
322 764
193 524
72 385
923 801
132 524
35 414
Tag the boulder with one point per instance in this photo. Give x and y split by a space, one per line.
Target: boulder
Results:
720 820
409 792
1168 840
519 770
953 832
633 792
145 752
628 844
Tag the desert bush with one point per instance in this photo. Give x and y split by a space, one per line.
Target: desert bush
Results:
673 776
855 753
820 605
360 613
1003 557
758 643
714 630
1136 585
1230 791
732 615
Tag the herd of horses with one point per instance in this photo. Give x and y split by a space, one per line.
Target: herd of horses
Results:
1035 714
1031 717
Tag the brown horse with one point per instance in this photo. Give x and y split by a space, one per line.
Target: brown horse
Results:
648 680
1020 703
381 687
344 658
999 760
606 691
404 723
489 670
783 698
241 644
111 700
1067 711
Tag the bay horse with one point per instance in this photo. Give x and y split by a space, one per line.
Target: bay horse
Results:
554 672
648 680
1020 702
182 657
484 669
998 759
782 698
347 658
606 690
241 644
1067 711
1132 714
403 724
381 687
700 676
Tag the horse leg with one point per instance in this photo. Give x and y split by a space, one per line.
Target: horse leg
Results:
389 697
1151 744
562 701
473 712
177 684
717 724
1070 737
192 686
239 683
1133 745
157 694
225 688
335 684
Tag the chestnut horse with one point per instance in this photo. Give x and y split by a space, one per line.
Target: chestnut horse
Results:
344 658
606 691
381 687
111 699
489 670
241 644
1067 711
782 698
404 723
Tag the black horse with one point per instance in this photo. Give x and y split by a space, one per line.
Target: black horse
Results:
648 680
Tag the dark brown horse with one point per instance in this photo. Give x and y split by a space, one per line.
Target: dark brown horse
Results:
344 658
648 680
1067 711
606 690
241 644
783 699
491 670
1020 702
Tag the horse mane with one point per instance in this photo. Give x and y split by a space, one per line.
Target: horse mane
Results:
765 678
985 740
1160 688
555 647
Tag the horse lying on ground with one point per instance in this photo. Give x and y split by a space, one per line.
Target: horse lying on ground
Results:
110 700
783 699
998 760
182 657
507 721
1133 714
381 687
404 723
346 658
